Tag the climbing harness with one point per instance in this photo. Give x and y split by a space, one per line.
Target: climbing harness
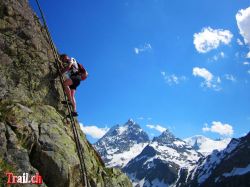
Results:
79 147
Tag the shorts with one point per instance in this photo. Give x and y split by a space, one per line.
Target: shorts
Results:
76 82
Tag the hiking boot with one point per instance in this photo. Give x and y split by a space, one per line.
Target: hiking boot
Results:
74 114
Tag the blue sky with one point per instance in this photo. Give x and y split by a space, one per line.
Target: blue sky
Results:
180 65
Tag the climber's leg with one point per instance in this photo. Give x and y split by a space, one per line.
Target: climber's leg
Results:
66 85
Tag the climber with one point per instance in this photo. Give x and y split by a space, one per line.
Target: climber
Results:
73 73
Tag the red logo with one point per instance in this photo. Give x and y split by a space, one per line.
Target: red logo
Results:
24 179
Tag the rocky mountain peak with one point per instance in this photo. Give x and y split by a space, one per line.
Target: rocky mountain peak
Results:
130 121
166 137
122 141
129 133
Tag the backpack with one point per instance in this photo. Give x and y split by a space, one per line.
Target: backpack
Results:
82 71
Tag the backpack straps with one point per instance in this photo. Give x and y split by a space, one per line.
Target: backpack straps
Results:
82 71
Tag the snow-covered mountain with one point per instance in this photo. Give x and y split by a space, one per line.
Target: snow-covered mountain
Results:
170 161
206 145
160 161
228 167
121 143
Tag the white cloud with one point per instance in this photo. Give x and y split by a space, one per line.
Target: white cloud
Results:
206 128
222 55
243 22
157 127
220 128
140 118
172 79
240 42
246 63
230 77
94 131
163 73
242 55
145 47
217 56
209 39
248 55
144 118
203 72
136 50
209 80
248 71
218 80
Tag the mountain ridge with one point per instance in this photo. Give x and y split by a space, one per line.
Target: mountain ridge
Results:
164 151
160 161
165 160
206 145
230 166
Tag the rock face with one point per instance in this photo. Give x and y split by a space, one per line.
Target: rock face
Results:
229 167
27 69
160 162
121 143
33 134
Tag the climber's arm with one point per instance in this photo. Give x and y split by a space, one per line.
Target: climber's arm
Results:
67 68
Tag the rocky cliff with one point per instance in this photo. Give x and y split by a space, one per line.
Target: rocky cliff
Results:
33 134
